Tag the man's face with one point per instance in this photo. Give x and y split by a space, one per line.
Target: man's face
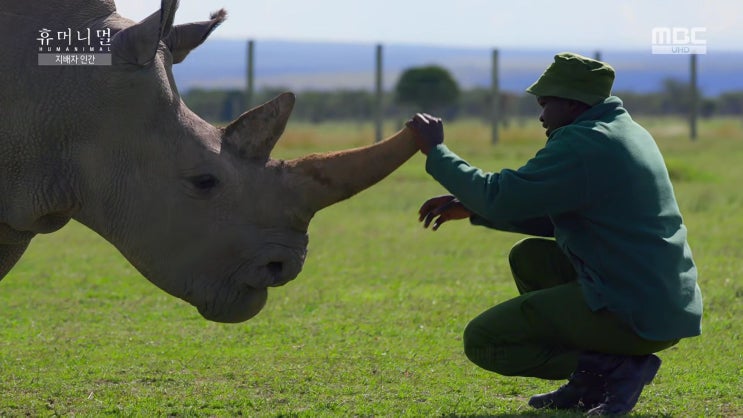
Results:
557 112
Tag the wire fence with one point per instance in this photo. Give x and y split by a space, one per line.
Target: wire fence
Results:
351 80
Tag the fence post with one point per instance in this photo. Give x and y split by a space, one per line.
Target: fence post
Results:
379 92
693 112
249 75
495 104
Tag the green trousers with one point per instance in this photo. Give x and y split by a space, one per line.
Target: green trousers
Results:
541 332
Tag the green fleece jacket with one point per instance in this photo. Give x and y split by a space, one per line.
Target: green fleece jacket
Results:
600 187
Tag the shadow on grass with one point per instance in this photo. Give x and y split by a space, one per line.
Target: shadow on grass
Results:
536 414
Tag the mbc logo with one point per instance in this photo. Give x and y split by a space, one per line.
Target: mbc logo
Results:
679 40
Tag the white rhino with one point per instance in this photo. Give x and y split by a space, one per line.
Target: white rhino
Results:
202 212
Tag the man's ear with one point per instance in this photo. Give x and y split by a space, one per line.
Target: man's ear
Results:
577 107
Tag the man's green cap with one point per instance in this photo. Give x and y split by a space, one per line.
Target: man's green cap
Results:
576 77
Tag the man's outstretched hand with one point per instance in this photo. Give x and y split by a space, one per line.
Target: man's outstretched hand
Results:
441 209
428 131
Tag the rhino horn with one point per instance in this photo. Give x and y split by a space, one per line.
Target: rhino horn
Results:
138 43
326 178
254 133
184 38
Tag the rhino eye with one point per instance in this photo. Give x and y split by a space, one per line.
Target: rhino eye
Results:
204 182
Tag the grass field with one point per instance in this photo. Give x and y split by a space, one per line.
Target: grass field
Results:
372 326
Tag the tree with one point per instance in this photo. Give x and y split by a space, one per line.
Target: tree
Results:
428 88
730 103
678 97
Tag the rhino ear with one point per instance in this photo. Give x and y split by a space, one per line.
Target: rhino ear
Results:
138 43
184 38
254 134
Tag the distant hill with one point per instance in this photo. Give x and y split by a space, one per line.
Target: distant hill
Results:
300 66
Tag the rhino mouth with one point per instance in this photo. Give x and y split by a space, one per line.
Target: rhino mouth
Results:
245 291
245 304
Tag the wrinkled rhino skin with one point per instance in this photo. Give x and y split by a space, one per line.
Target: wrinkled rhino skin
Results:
202 212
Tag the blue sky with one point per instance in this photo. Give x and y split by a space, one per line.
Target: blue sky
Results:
534 24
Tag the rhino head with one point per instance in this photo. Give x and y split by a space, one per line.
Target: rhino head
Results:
202 212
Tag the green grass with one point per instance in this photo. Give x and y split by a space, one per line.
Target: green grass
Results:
372 326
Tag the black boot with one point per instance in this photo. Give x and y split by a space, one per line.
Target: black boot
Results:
584 390
625 383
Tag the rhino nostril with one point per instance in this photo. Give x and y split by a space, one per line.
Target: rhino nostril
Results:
275 268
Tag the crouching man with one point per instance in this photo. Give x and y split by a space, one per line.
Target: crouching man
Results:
608 278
